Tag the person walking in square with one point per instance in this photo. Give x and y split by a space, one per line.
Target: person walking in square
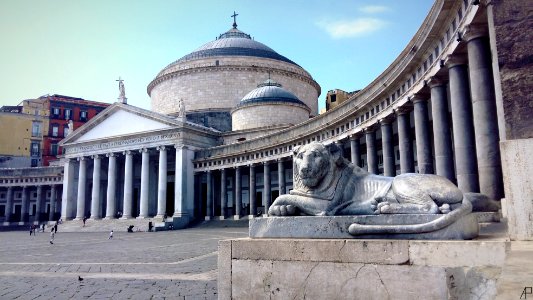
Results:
110 235
52 235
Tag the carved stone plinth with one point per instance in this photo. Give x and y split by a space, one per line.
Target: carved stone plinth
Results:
335 227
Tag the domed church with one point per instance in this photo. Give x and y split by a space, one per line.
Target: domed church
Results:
212 80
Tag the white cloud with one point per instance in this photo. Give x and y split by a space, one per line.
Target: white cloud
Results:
373 9
352 28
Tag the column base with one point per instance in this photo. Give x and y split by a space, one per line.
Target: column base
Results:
95 219
142 217
21 223
265 215
251 217
221 217
6 223
236 217
109 218
208 218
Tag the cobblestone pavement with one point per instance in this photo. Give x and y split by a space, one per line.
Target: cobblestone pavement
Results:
179 264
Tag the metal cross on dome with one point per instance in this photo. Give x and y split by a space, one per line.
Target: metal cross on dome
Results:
234 16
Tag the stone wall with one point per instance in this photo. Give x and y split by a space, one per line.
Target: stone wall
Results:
223 86
267 114
511 24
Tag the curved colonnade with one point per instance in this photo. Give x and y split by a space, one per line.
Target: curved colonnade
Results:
433 110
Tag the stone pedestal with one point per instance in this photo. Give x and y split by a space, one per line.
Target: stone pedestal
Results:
362 269
335 227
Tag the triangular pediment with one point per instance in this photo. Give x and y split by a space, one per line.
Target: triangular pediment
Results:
120 120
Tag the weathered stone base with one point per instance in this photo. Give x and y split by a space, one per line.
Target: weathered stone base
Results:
335 227
359 269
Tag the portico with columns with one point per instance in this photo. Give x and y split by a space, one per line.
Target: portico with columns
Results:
132 163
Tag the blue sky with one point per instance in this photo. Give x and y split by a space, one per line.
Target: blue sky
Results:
80 47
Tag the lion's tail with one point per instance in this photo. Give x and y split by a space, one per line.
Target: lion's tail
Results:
441 222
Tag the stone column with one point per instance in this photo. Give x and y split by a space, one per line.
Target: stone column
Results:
67 200
371 151
184 187
111 206
53 198
405 145
267 197
281 177
223 193
441 129
82 182
389 163
39 204
162 183
145 180
209 203
423 142
238 193
253 208
25 209
463 126
96 205
9 205
128 185
484 111
355 151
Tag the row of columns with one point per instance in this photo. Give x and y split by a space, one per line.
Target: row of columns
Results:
111 207
25 204
475 129
267 189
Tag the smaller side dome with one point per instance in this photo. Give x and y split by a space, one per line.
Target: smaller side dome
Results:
270 91
268 105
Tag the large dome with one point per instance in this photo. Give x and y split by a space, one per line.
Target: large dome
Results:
233 42
214 78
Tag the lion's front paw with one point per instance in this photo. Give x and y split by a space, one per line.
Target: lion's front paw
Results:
282 210
384 208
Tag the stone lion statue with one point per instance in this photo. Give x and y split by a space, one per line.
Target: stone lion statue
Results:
326 184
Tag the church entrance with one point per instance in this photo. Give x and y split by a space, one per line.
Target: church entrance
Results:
18 211
170 198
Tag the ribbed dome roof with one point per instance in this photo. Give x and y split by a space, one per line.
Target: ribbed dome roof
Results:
233 43
270 91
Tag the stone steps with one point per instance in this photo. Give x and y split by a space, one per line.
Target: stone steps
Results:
108 225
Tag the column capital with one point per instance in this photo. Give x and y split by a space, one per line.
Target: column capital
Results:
143 150
266 162
402 110
418 97
387 120
161 148
474 31
111 154
236 167
281 159
81 158
455 60
369 129
223 170
95 156
252 165
435 81
208 171
354 137
181 147
127 152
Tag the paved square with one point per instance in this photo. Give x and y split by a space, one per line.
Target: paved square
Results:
179 264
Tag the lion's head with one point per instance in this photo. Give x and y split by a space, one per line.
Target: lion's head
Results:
313 162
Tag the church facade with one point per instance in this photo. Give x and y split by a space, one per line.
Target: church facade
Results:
446 106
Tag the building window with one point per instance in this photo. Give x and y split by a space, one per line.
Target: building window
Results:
55 130
333 98
68 114
34 149
53 149
34 162
56 112
83 115
66 131
36 129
